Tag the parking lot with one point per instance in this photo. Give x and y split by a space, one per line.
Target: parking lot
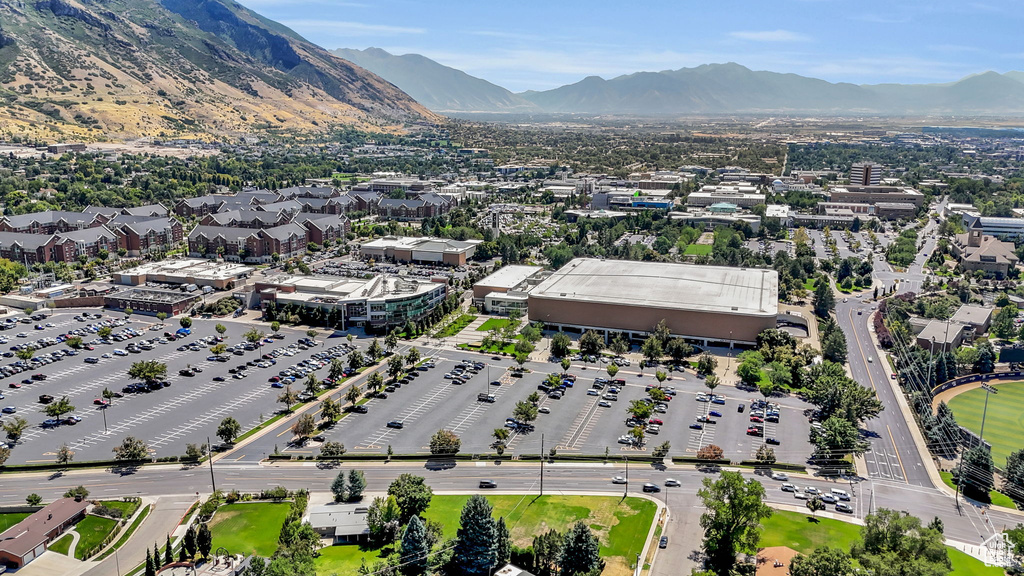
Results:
575 423
186 411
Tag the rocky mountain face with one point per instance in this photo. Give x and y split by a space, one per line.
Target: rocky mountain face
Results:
438 87
95 69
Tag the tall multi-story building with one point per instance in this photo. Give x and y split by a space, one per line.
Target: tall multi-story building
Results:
865 174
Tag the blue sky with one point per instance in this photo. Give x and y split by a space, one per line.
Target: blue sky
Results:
529 44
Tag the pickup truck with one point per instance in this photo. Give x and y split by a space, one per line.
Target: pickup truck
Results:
485 397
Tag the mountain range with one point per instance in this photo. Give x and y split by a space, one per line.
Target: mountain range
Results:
131 68
708 89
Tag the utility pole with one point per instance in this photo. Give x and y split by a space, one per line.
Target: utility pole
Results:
213 480
542 464
625 489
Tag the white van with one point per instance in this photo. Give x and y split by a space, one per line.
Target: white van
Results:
841 494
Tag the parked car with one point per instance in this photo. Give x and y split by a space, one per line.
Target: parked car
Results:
396 424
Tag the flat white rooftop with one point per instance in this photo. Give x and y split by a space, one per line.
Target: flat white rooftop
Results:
717 289
510 276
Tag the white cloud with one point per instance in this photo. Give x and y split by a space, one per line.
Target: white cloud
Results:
769 36
350 29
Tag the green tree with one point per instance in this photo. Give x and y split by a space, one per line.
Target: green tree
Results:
678 350
312 334
59 408
547 548
288 397
525 412
356 485
374 351
168 557
707 363
228 430
824 561
395 366
185 322
337 370
591 343
339 487
375 382
304 427
580 552
502 543
221 329
15 428
218 349
560 344
150 565
612 369
894 543
836 438
312 385
565 364
1002 324
415 549
383 519
412 358
391 341
734 509
815 505
33 499
188 542
824 299
749 369
411 494
330 409
204 540
975 474
651 350
131 449
474 548
619 345
105 332
148 370
445 442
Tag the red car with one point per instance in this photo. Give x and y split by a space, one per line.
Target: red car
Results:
14 385
274 379
100 402
755 431
757 419
655 421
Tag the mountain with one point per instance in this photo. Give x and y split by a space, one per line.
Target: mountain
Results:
438 87
130 68
732 88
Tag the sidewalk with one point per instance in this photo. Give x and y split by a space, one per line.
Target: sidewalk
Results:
164 516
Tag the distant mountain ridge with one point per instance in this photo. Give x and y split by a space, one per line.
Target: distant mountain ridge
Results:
707 89
136 68
440 88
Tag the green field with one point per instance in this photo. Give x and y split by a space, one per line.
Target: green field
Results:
62 544
621 526
698 250
493 323
995 497
126 508
8 520
1004 424
248 528
456 326
92 530
797 531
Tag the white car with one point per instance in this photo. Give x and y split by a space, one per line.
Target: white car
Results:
119 352
672 482
544 410
801 496
780 476
787 487
618 480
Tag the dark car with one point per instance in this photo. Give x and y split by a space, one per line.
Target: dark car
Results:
771 440
697 426
648 487
359 409
396 424
218 378
663 543
488 484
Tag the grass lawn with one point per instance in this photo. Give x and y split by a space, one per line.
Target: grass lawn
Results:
1004 424
61 545
799 533
126 508
127 533
810 283
621 527
509 349
8 520
493 323
995 497
698 250
92 530
455 326
245 528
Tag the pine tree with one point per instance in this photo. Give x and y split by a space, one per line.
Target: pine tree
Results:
580 552
204 540
338 487
189 543
168 554
502 544
474 552
356 485
156 556
150 568
414 548
824 300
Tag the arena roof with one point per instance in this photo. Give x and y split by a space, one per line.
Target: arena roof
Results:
718 289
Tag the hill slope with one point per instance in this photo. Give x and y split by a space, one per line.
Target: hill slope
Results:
129 68
730 88
438 87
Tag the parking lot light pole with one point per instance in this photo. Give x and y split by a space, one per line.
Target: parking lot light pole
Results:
988 390
104 411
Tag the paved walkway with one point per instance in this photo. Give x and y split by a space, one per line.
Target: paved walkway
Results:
164 516
75 537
